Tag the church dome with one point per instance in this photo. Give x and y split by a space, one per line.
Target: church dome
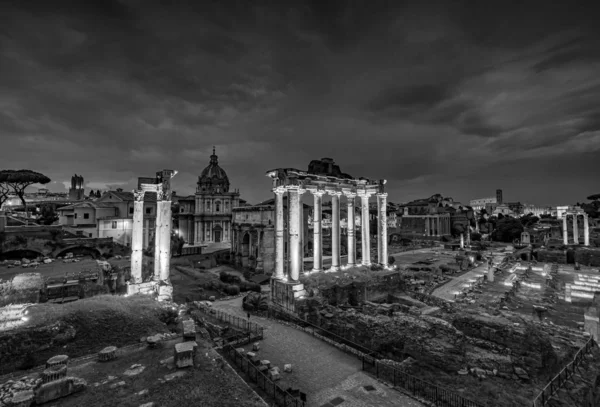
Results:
213 178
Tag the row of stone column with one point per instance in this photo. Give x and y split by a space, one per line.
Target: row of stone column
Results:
437 226
586 230
295 230
162 237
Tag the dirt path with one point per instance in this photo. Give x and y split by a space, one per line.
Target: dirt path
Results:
320 370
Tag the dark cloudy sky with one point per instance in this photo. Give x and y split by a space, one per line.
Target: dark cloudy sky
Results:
458 100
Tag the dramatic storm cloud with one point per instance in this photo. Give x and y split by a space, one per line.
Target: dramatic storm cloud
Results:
459 99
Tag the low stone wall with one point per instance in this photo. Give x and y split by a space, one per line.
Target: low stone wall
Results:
588 256
552 256
434 301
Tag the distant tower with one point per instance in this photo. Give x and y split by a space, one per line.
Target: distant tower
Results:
76 191
499 196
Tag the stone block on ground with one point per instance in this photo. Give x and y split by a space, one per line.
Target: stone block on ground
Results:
134 370
265 363
54 372
184 354
274 374
256 347
108 353
59 388
57 360
255 361
287 368
240 350
250 355
165 293
189 329
22 399
263 369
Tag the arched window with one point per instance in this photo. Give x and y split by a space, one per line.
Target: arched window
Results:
217 206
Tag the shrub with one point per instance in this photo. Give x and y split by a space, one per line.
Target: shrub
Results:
168 316
254 287
376 267
391 260
232 289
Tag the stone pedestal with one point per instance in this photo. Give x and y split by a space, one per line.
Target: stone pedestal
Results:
285 293
490 273
189 329
149 288
57 360
184 354
108 353
165 292
53 373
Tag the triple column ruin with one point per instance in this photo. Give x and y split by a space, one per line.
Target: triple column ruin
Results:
295 183
160 282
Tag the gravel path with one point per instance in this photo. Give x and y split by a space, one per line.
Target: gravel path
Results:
320 370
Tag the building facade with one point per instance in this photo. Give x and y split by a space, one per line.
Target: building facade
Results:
206 217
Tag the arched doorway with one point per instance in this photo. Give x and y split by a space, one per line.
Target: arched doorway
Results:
217 233
246 245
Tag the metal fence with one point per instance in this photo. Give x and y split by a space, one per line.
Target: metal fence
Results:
370 363
563 376
235 321
280 396
438 395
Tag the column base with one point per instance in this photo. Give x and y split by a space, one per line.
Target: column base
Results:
384 265
350 265
316 270
368 264
149 288
334 268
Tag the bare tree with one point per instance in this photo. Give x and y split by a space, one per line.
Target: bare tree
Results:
19 180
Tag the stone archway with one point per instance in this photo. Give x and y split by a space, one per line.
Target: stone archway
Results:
246 245
84 250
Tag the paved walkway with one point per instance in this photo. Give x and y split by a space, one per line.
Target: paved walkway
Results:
321 371
452 287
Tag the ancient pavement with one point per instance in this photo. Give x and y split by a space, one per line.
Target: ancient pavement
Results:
448 290
323 372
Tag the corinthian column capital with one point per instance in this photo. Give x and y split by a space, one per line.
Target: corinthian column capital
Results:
382 194
334 193
138 196
279 190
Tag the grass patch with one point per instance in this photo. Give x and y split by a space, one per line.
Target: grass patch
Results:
82 327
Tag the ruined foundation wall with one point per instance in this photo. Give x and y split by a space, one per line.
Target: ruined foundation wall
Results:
552 256
588 256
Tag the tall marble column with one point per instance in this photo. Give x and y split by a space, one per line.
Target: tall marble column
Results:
366 234
351 230
427 226
586 230
317 231
279 244
335 230
165 239
462 241
575 230
137 237
437 225
158 235
565 230
382 229
294 232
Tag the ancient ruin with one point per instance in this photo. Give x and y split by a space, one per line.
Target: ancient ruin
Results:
586 228
162 241
320 180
